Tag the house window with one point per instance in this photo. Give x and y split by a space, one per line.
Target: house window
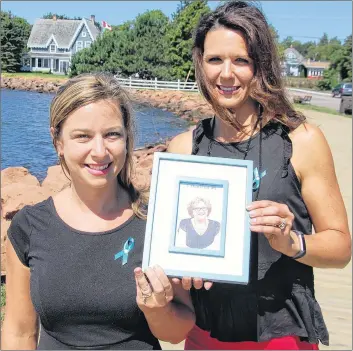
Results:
33 62
88 44
84 34
52 48
46 63
39 62
79 46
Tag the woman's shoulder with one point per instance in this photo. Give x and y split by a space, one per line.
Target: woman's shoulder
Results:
310 148
182 143
215 224
306 133
29 213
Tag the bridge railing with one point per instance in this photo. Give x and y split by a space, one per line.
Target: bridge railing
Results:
156 84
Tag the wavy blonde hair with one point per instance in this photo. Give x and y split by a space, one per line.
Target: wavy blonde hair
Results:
86 89
192 204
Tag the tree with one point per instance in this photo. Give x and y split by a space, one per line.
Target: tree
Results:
138 46
50 15
341 65
15 33
151 45
180 37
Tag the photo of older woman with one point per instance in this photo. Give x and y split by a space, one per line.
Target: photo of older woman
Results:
198 231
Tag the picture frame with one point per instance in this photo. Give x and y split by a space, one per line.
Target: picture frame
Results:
197 223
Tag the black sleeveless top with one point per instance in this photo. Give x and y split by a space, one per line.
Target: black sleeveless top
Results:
279 299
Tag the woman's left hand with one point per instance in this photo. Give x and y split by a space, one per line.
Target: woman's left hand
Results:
275 221
154 290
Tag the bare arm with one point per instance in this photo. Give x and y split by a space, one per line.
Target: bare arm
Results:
330 246
20 328
174 321
167 307
181 144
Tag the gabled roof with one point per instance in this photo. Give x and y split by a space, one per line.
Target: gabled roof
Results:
316 64
64 32
295 52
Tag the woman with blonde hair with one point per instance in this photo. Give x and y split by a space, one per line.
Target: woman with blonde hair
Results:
199 231
73 260
294 189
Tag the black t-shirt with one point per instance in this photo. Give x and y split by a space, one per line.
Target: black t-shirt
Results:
84 297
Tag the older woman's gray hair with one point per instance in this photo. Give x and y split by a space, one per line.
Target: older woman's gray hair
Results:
193 203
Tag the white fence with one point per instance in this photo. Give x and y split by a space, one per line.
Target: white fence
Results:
157 84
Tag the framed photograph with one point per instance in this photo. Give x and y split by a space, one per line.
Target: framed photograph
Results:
200 216
197 224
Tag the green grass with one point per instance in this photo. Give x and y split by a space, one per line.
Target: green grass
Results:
48 76
321 109
3 301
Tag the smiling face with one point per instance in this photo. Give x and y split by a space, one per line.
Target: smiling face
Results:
227 67
93 144
200 211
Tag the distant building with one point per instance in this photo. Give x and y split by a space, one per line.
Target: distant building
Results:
53 42
314 69
292 61
296 65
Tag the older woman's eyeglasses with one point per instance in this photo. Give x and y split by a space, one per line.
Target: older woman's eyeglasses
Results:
199 209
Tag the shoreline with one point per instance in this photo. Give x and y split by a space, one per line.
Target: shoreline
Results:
188 106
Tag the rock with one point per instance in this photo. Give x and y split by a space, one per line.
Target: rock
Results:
4 227
16 196
147 162
55 180
13 175
3 264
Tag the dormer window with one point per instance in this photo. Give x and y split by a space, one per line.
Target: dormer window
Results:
52 48
84 34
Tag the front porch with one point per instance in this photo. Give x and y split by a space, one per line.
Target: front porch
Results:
56 65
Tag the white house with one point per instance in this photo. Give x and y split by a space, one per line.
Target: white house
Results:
53 42
292 61
296 65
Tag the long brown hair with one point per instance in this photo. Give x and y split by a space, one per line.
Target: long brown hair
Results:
267 87
86 89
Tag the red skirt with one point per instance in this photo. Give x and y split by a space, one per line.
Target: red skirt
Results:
199 339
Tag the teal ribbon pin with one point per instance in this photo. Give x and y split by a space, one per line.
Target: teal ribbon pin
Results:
124 253
257 177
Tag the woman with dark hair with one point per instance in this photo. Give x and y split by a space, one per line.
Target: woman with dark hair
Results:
294 188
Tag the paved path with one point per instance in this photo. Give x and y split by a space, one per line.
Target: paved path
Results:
319 99
333 287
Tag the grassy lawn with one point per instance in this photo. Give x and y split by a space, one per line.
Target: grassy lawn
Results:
3 300
32 75
320 109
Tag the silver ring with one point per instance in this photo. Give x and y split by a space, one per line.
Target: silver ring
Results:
282 226
146 296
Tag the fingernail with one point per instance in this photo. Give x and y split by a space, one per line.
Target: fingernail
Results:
253 220
138 271
251 213
249 207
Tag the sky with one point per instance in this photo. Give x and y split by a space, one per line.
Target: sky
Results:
303 20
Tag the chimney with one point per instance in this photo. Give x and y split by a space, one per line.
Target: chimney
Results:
54 17
93 18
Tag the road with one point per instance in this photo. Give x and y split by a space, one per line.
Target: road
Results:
319 99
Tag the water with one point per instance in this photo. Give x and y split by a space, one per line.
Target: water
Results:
25 137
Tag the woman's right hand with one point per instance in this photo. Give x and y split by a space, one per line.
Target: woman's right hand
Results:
188 282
